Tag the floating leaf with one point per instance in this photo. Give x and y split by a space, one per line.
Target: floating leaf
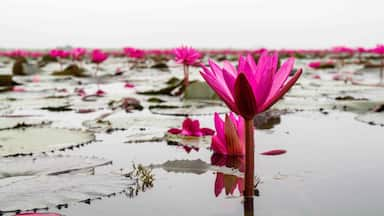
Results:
189 108
24 193
22 141
38 214
47 165
9 123
372 118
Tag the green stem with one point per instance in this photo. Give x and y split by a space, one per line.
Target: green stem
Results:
249 159
97 77
186 76
381 69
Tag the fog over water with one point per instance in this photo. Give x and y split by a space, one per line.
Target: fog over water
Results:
200 23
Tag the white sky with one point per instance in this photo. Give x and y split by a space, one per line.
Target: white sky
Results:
200 23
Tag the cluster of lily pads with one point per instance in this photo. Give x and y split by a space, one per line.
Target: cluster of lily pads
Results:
62 99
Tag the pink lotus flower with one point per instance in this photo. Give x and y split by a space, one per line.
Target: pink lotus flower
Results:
186 55
342 49
17 53
191 128
58 53
134 53
379 49
98 56
230 135
78 53
250 88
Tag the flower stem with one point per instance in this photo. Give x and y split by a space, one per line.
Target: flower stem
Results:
97 77
381 69
249 159
186 76
248 206
61 64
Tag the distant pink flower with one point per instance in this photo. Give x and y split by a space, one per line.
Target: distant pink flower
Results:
134 53
192 128
100 93
18 53
342 49
315 64
78 53
251 88
128 85
186 55
230 135
18 89
319 64
98 56
58 53
80 92
379 49
337 77
361 50
36 78
316 76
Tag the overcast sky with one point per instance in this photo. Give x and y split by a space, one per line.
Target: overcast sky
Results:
199 23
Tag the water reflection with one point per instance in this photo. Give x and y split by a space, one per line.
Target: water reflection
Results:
229 182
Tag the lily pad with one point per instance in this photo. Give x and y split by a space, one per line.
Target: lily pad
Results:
8 123
372 118
138 127
24 141
47 165
189 141
34 103
23 193
189 108
200 90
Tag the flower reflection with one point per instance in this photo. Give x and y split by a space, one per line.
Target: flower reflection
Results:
228 182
